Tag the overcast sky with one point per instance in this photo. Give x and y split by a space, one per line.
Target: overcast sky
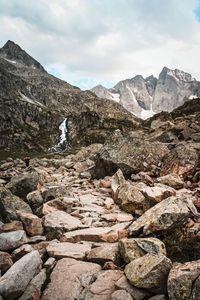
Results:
90 42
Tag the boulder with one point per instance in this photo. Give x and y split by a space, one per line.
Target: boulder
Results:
166 215
13 239
33 290
130 198
149 272
69 279
131 249
104 253
9 204
181 279
21 251
172 180
83 166
35 200
21 185
104 285
157 193
58 222
52 192
14 282
12 226
70 250
5 261
57 204
32 223
120 295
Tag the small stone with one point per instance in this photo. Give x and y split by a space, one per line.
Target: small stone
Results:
108 203
49 263
105 183
121 295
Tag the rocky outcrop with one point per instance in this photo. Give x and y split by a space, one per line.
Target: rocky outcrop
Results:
146 96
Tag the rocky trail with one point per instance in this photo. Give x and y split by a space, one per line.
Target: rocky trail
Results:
66 235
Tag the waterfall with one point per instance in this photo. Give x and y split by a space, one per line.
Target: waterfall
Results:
62 138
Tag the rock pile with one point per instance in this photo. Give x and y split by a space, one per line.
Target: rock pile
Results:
66 235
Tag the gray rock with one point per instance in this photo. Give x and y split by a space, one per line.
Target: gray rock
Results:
13 239
21 251
33 290
14 282
9 204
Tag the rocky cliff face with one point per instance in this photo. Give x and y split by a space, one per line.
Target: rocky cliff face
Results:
145 97
35 103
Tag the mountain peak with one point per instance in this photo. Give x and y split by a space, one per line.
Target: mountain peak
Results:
14 52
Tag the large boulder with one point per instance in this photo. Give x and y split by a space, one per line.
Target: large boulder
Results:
32 223
129 152
166 215
172 180
14 282
9 204
69 279
116 181
181 280
131 249
149 272
35 200
104 253
21 185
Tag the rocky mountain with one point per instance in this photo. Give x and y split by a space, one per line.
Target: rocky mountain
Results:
146 96
33 103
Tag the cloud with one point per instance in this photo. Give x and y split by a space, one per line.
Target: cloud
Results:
101 41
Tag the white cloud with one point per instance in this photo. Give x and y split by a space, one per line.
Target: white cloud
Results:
99 40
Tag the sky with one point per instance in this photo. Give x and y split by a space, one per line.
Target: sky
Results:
90 42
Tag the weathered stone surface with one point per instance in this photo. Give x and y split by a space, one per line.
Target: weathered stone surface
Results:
158 297
165 215
121 295
84 165
136 293
172 180
35 200
117 180
21 185
71 250
13 239
5 261
119 217
33 290
131 249
52 192
149 272
57 204
157 193
69 278
32 223
104 253
195 289
9 204
181 279
59 222
130 198
21 251
14 282
12 226
104 286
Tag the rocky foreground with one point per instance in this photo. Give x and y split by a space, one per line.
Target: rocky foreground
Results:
66 235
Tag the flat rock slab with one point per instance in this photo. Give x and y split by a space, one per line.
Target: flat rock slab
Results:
13 239
14 282
181 279
104 253
69 278
71 250
165 215
59 222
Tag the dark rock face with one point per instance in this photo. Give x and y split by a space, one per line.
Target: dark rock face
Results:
33 103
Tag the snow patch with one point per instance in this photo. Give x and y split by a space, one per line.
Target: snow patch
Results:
145 114
11 61
193 97
29 100
115 96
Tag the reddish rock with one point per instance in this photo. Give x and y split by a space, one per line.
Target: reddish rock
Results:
121 295
157 193
69 279
105 183
104 253
12 226
5 261
108 203
32 223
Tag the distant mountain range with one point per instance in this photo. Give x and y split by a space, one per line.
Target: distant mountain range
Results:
146 96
